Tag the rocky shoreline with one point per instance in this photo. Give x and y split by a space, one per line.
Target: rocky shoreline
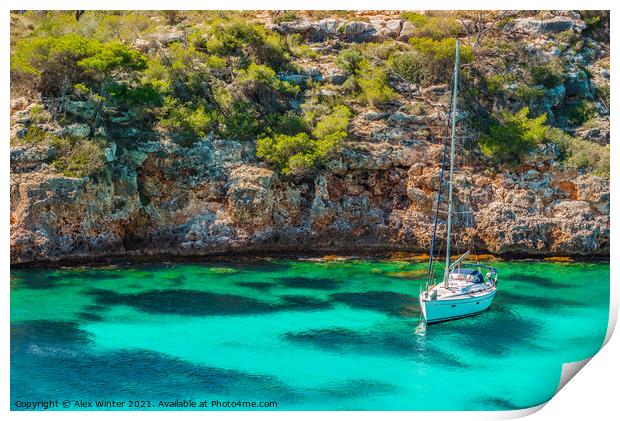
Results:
257 256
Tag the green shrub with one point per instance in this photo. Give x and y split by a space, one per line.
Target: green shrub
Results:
495 83
300 164
510 136
281 16
107 74
317 105
126 27
407 65
304 51
442 50
112 57
56 64
201 99
79 157
417 108
528 94
190 118
300 154
603 93
372 82
334 124
590 157
173 17
568 37
260 74
580 112
184 72
222 79
296 155
549 74
435 27
350 60
33 134
298 48
368 82
279 149
288 123
241 122
246 41
38 115
259 84
505 22
597 24
581 154
382 50
435 59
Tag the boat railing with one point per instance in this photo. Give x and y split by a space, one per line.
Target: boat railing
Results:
492 272
480 265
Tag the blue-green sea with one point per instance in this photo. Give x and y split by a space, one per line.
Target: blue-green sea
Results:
309 335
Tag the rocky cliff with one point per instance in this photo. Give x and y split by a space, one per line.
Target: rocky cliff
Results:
159 197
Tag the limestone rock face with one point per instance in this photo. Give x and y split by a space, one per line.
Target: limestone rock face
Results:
577 84
326 29
406 31
312 31
359 31
213 197
250 197
556 24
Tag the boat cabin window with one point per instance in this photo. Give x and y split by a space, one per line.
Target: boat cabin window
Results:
466 275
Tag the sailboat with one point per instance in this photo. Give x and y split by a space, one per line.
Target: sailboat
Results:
466 288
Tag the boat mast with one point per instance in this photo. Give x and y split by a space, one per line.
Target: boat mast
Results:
446 275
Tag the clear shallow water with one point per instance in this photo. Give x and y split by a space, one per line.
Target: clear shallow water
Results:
309 335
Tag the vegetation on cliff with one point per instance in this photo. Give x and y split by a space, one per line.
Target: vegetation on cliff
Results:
253 77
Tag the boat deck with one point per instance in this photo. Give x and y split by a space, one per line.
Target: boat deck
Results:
458 290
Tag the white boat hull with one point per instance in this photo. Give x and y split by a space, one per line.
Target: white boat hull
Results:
440 310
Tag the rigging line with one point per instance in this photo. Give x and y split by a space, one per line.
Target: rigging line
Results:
440 188
438 264
468 159
431 277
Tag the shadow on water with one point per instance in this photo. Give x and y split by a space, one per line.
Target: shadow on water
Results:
58 352
201 303
376 343
493 403
253 265
91 317
387 302
34 279
176 280
536 301
309 283
259 286
46 279
495 332
46 333
541 281
300 302
94 307
90 274
356 388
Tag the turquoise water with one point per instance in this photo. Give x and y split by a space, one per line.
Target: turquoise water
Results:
305 334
